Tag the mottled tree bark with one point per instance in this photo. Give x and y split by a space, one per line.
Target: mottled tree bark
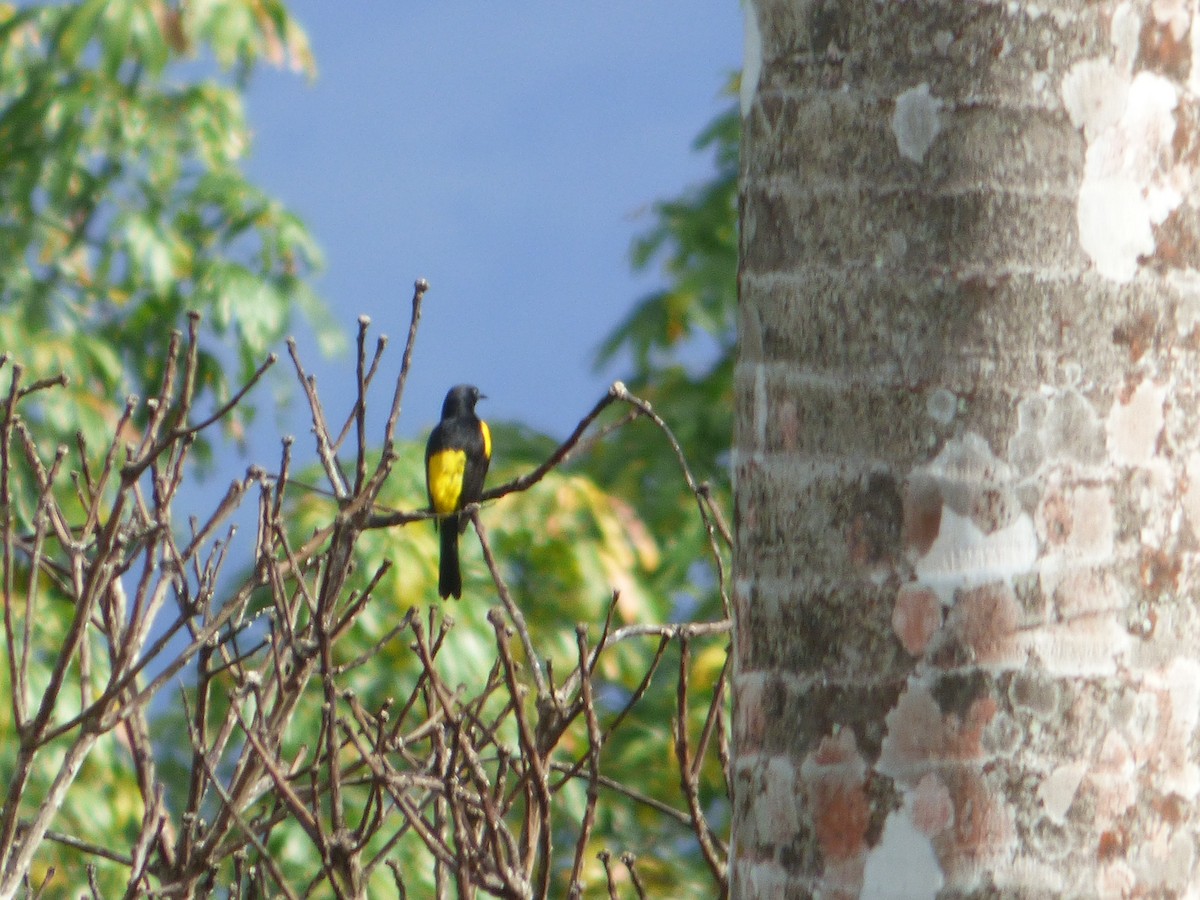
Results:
967 456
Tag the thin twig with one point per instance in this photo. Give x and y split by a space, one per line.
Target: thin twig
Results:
560 455
594 742
360 405
265 855
514 611
420 286
687 780
540 829
333 471
133 469
69 840
622 393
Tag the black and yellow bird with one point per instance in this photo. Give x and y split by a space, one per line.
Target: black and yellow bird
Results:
456 462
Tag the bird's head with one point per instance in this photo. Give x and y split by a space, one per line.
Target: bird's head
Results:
461 399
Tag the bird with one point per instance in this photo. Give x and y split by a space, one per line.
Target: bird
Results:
456 463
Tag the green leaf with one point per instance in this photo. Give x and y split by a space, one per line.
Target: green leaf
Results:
694 240
330 338
261 314
78 29
150 251
104 359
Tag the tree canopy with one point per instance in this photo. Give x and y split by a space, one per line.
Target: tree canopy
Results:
123 204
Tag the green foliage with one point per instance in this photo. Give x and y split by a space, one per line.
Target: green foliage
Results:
122 205
681 340
694 238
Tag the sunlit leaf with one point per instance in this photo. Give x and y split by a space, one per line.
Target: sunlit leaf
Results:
151 253
78 28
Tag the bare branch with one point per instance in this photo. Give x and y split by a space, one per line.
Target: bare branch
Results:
594 742
333 471
420 286
557 458
687 775
514 611
468 777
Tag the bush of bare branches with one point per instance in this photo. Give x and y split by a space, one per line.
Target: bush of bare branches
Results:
288 782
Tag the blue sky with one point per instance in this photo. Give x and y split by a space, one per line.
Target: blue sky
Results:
507 152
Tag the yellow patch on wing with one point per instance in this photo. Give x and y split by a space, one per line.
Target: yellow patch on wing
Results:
487 439
445 474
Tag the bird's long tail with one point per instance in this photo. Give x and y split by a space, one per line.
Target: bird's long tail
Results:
449 573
